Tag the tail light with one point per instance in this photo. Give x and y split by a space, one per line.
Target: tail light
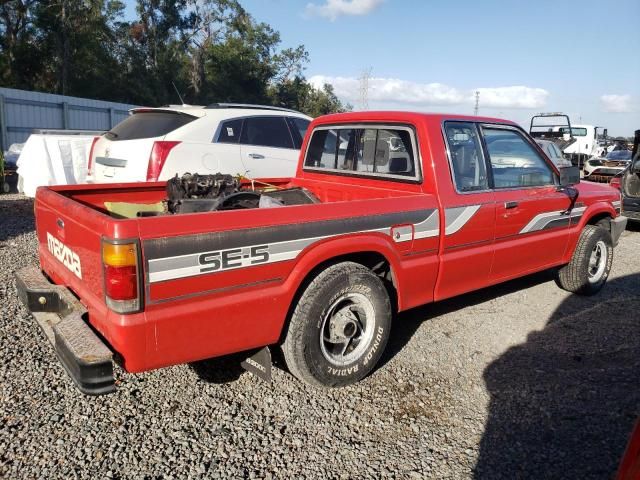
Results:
90 162
616 183
121 276
159 153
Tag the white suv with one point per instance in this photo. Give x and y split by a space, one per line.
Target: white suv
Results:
156 143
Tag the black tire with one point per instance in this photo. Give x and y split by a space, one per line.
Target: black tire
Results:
6 188
581 275
344 299
604 223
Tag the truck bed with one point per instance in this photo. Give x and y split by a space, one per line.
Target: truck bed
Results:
95 196
74 221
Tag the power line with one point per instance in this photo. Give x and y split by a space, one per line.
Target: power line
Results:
364 88
475 110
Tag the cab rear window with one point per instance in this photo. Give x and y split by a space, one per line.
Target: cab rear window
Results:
370 151
148 125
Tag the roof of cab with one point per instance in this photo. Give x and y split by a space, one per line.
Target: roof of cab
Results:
400 116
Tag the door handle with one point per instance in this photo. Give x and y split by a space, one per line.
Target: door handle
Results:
255 155
509 205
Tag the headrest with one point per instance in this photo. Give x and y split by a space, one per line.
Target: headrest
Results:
398 165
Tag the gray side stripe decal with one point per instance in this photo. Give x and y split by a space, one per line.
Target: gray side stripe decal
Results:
551 219
245 254
457 217
207 242
430 227
178 257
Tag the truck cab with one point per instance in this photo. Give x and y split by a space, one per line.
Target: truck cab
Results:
586 144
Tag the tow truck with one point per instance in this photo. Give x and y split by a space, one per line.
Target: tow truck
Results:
387 211
578 143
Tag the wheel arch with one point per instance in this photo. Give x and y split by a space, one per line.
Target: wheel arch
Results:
594 214
373 252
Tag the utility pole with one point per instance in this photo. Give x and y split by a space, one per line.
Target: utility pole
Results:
364 88
475 110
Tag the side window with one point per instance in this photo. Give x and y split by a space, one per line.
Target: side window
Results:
549 151
366 151
363 150
467 161
230 131
322 149
266 132
346 147
298 128
514 162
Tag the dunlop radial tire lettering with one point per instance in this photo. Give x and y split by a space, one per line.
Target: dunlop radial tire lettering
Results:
301 347
574 277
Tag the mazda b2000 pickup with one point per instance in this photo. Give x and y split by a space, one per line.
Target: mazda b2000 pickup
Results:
387 211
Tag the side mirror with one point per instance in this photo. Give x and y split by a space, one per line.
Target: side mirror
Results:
569 176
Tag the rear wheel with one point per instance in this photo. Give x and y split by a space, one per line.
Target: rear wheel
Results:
590 264
339 327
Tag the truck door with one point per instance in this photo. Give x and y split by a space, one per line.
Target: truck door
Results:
531 228
469 214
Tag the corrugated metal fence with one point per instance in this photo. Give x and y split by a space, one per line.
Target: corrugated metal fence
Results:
21 112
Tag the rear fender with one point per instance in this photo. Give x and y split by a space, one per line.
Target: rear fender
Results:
330 249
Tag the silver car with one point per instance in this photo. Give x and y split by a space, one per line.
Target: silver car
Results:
553 152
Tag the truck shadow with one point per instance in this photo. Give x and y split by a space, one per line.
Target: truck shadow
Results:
221 369
563 403
407 323
633 226
16 217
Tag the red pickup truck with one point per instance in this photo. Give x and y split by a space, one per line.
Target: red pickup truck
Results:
405 209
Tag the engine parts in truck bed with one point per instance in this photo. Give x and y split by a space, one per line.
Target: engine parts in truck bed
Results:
195 193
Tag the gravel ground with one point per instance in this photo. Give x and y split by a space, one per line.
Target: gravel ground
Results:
517 381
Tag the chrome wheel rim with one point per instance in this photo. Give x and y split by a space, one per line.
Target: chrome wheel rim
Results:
347 328
598 262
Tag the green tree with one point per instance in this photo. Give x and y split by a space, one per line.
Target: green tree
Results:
18 55
211 50
300 95
77 42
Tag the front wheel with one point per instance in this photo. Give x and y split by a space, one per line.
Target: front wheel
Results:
590 264
339 327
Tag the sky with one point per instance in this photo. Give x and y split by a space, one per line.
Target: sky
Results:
577 57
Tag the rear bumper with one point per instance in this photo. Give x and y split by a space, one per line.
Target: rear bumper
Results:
85 357
632 215
618 225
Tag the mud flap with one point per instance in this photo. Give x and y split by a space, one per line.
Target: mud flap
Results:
259 364
618 225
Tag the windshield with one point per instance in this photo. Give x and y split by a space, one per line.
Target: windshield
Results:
576 132
619 155
505 145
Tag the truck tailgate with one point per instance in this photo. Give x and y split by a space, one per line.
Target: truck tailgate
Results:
69 243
